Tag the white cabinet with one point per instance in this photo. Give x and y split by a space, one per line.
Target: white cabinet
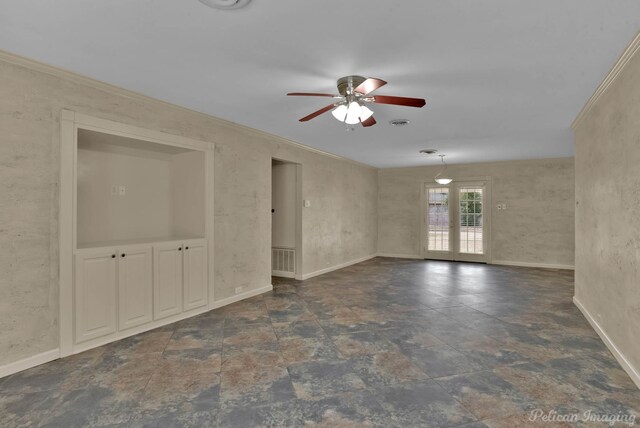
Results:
135 287
128 287
167 279
180 277
95 293
195 274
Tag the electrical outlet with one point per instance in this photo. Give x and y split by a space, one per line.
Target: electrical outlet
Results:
114 190
307 203
239 290
122 190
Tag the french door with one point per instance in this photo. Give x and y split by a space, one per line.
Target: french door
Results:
456 220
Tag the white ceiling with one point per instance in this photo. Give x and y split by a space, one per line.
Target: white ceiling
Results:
503 78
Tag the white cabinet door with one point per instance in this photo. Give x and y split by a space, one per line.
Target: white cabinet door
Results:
195 274
167 279
135 286
95 294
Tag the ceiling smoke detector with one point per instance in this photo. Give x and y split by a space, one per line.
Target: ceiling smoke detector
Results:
429 151
399 122
225 4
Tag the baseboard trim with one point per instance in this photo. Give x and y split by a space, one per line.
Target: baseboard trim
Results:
633 373
400 256
29 362
336 267
283 274
534 265
238 297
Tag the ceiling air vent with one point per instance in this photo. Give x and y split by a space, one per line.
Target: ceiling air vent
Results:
226 4
399 122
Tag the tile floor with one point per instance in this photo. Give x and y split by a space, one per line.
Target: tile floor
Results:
385 343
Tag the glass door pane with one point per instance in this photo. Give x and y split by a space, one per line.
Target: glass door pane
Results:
470 225
438 219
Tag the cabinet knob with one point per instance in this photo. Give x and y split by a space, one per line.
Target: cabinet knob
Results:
180 249
186 248
123 254
113 256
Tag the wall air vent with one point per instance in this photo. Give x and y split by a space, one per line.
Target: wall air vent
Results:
225 4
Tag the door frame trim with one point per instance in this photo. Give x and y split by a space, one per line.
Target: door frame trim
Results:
488 180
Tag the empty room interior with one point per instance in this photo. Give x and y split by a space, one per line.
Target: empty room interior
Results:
295 213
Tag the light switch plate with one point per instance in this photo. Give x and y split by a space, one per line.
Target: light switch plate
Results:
307 203
122 190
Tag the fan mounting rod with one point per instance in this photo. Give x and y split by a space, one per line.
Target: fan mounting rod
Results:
347 84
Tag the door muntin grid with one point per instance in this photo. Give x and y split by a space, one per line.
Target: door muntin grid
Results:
470 223
438 219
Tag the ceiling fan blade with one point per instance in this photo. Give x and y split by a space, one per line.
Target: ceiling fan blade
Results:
369 122
399 101
317 113
309 94
370 85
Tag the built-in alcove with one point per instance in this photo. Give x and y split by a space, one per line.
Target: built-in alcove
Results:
136 230
130 191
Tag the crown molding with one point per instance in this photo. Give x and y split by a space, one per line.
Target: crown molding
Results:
34 65
611 77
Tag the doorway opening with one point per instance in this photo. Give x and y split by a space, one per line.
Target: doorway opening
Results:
286 219
456 221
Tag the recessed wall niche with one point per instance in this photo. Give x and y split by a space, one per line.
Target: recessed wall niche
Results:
131 190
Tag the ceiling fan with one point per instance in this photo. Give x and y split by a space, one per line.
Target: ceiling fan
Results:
354 92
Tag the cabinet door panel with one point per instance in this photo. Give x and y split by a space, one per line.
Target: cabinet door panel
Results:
95 295
135 286
195 275
167 280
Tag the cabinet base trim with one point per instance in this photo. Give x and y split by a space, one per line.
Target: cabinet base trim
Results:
90 344
27 363
242 296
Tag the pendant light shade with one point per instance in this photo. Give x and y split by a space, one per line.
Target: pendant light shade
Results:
340 112
353 114
443 180
366 113
440 178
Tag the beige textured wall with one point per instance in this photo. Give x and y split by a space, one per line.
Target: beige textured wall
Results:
608 212
537 226
340 225
146 209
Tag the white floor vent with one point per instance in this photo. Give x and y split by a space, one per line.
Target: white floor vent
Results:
283 262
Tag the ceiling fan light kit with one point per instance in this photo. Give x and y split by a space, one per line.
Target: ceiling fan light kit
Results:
353 94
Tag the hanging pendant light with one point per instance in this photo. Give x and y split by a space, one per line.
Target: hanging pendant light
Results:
439 178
